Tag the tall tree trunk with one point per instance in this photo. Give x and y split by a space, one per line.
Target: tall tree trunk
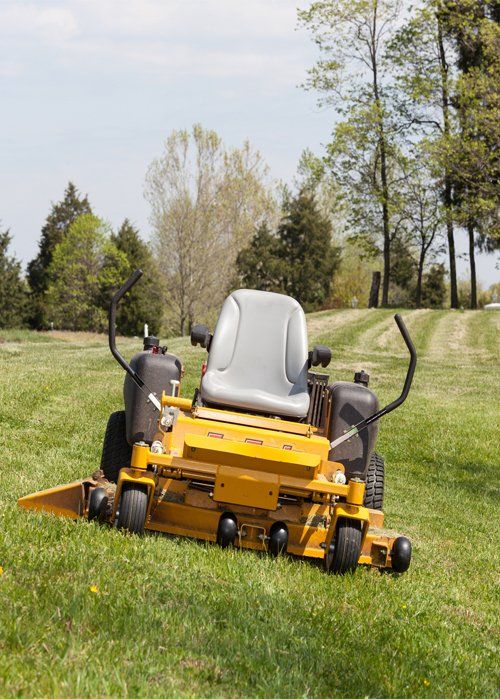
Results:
373 300
420 272
382 142
387 237
472 262
447 193
451 245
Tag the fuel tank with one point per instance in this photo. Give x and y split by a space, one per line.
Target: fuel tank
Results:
157 369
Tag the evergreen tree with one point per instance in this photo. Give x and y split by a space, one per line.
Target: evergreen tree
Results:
144 304
85 271
259 265
13 290
56 226
434 287
305 248
403 266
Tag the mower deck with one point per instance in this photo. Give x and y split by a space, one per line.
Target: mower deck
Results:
262 471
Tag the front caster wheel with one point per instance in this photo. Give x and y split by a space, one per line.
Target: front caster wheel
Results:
401 554
98 503
345 549
133 508
227 530
278 539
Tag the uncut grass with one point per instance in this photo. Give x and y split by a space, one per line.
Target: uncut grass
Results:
177 617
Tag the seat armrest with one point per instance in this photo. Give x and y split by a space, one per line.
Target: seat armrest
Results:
320 355
200 335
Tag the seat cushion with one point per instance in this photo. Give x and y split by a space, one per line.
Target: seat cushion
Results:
258 355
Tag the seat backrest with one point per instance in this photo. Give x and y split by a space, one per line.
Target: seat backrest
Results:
258 358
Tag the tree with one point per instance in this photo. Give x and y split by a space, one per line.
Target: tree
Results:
348 33
56 226
205 202
144 302
308 256
423 66
85 271
13 289
403 269
434 287
475 29
424 216
259 265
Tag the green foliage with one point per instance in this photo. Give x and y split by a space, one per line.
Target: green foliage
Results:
476 35
259 265
351 282
13 289
434 287
363 154
86 269
306 250
144 304
403 264
299 260
56 226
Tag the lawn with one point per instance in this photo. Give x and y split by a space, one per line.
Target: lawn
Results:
87 611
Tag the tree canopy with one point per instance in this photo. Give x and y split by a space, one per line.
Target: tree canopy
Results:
299 259
86 269
13 289
145 302
56 226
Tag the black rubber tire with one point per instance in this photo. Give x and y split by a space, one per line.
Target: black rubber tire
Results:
133 508
227 530
346 547
98 502
374 491
278 539
116 452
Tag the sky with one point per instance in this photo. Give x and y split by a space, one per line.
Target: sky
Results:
90 89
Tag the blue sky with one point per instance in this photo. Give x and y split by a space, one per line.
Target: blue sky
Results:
91 88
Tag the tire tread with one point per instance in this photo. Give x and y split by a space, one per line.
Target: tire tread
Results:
374 491
133 508
347 547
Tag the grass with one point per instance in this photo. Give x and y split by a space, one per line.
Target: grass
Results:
87 611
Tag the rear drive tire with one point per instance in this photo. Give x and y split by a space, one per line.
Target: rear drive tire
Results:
374 491
116 452
344 556
133 508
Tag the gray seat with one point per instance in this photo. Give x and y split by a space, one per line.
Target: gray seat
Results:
258 358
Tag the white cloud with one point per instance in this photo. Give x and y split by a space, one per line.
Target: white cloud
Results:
49 23
196 18
218 38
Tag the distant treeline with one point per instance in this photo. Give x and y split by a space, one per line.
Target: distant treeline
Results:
412 163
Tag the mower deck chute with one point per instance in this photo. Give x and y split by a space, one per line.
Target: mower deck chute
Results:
228 472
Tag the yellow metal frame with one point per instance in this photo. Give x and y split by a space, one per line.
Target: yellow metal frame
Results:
262 470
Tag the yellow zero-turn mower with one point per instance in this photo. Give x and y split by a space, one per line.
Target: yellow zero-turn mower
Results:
267 455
